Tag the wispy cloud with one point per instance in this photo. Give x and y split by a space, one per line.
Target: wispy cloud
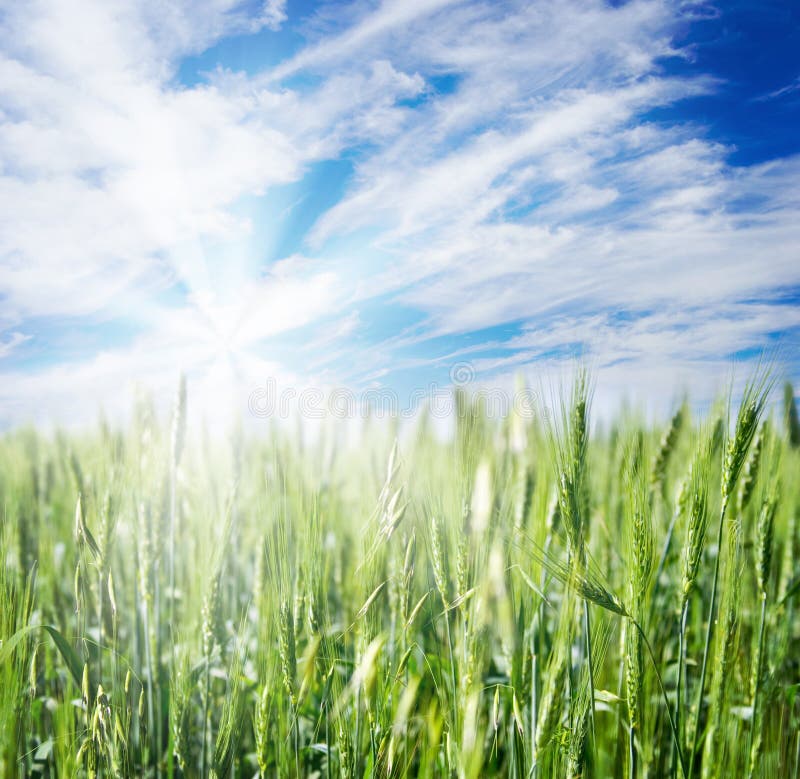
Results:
8 344
509 168
788 89
370 29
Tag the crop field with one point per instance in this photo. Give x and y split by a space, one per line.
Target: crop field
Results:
524 598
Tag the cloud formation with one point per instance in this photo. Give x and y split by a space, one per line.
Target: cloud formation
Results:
510 189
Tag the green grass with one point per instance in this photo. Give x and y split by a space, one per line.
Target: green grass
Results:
525 599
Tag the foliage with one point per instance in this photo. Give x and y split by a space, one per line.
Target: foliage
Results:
521 599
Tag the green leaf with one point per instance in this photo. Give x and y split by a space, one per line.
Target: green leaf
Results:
44 750
607 697
791 589
73 662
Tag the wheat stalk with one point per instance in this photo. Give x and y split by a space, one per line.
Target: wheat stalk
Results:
751 408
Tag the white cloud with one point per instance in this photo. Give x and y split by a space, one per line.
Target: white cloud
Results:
531 189
14 339
107 169
372 28
787 89
418 197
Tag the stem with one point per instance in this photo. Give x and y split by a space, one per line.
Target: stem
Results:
296 732
327 743
172 533
357 749
149 661
172 477
759 665
681 660
797 756
172 522
534 697
664 552
709 632
632 752
205 716
156 658
170 752
588 631
663 693
618 757
100 631
452 671
534 772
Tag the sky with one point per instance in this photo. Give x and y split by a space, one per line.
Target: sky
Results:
392 195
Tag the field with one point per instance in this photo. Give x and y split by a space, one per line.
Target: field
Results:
526 598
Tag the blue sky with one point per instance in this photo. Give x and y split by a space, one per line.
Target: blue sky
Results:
364 194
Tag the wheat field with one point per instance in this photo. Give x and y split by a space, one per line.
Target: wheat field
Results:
526 598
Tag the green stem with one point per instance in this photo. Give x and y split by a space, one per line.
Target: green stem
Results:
588 631
664 553
663 693
797 756
709 633
172 508
327 743
681 661
453 704
100 631
534 696
357 750
149 661
296 734
757 690
156 658
206 696
172 522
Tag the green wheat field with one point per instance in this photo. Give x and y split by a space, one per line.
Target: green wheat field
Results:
527 598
